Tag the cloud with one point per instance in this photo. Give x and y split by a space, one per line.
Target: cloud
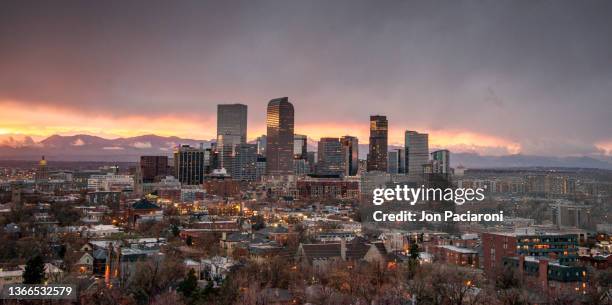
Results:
16 140
113 148
536 75
141 145
605 147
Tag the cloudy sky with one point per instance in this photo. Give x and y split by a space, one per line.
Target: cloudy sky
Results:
495 77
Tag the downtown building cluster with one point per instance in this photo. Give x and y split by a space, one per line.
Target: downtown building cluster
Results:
282 161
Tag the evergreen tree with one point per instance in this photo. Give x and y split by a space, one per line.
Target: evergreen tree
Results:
414 252
189 285
34 271
175 230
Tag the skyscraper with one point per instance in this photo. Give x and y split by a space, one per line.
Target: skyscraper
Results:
377 156
261 145
401 163
231 130
300 155
330 157
189 164
279 148
245 162
153 168
441 161
311 159
351 147
393 162
300 146
417 152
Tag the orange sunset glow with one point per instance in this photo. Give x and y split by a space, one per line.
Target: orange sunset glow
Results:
42 121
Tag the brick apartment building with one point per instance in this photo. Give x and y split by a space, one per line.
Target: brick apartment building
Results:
496 246
548 274
456 255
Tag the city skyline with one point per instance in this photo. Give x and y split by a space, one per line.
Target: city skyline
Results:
241 152
477 84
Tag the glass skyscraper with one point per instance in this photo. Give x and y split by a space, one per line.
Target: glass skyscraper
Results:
231 130
189 164
279 146
441 161
330 157
417 152
377 156
300 146
245 162
351 147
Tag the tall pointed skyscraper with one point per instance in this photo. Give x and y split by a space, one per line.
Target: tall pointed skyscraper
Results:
377 156
279 146
231 131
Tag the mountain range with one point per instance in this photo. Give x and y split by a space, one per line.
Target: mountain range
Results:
93 148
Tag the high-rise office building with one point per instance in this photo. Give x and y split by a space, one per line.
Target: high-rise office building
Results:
393 162
231 130
417 152
441 162
377 155
245 162
189 164
351 146
300 146
261 145
401 164
396 162
260 167
210 160
331 157
279 148
153 168
311 158
569 214
300 167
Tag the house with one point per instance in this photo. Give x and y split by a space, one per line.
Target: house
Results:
15 275
102 231
99 265
232 240
11 276
259 251
143 210
280 234
216 268
202 228
335 236
85 264
321 255
92 217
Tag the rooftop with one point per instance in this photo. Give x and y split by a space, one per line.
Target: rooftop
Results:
458 249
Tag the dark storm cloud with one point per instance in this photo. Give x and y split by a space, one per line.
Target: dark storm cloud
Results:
535 72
